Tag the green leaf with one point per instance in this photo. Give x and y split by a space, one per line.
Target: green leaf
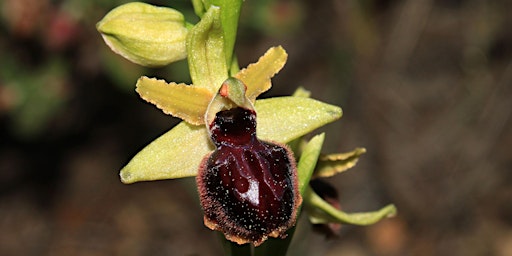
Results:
145 34
283 119
308 161
206 56
321 212
175 154
332 164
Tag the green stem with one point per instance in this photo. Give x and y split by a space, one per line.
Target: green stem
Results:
233 249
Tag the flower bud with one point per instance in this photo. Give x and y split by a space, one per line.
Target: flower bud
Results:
145 34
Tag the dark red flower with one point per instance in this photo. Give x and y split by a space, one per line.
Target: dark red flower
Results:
248 188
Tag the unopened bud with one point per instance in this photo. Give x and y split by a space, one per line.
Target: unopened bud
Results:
145 34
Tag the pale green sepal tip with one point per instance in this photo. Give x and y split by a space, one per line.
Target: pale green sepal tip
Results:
145 34
176 154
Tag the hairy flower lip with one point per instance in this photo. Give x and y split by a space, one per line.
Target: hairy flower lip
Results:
248 188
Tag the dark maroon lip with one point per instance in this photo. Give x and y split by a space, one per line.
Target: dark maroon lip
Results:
248 188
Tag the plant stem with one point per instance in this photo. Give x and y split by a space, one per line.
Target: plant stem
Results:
233 249
275 246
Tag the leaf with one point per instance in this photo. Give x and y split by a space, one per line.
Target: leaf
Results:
321 212
175 154
206 56
283 119
187 102
308 161
257 75
332 164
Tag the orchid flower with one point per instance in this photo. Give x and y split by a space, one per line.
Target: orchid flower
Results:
251 185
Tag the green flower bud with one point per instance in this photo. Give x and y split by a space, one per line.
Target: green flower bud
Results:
145 34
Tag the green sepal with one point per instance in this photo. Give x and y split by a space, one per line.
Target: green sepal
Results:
176 154
286 118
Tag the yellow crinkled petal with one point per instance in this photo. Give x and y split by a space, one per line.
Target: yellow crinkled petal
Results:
187 102
332 164
176 154
257 75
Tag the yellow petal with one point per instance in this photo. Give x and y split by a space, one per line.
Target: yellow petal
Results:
257 75
176 154
329 165
187 102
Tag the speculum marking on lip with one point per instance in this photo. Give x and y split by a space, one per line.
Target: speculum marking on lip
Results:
248 188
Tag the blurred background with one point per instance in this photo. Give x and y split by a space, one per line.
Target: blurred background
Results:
425 85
